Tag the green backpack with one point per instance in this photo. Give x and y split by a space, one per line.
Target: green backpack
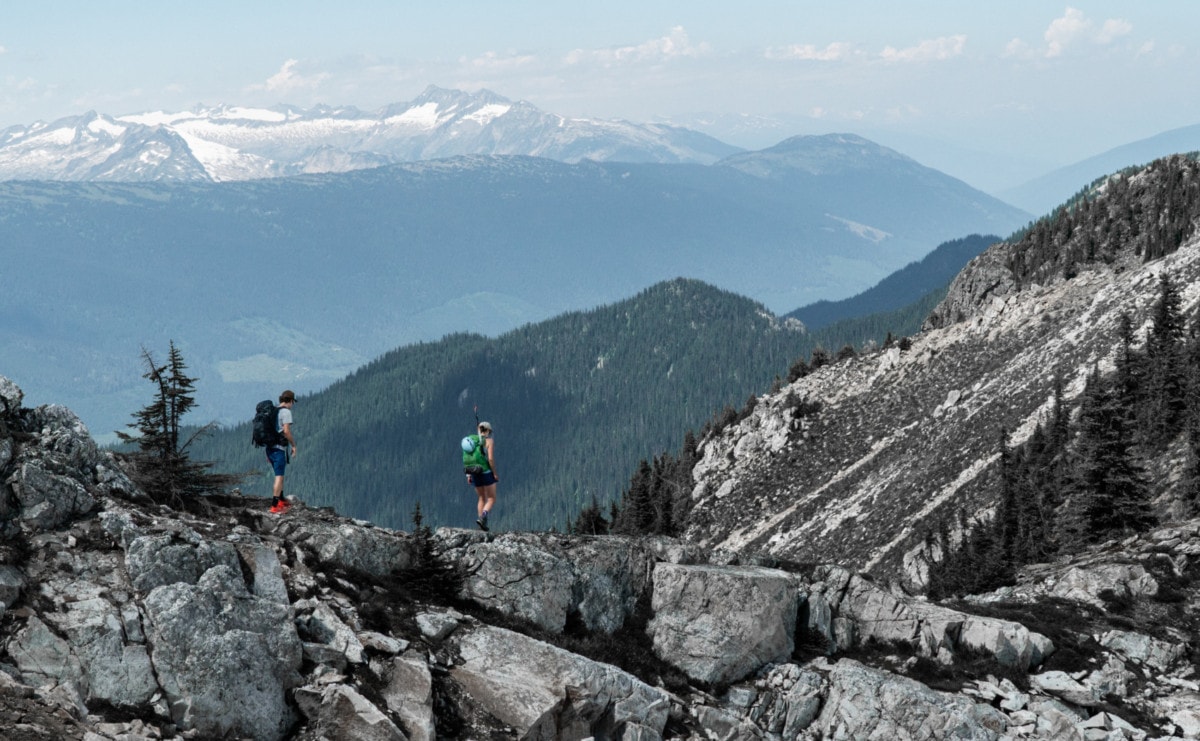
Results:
474 455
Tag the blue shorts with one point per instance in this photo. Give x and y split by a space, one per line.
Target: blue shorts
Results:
278 459
487 478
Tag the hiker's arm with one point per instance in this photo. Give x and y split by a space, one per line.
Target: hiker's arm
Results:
491 455
287 432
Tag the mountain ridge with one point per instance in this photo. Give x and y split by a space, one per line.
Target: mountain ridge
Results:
376 258
1018 318
224 143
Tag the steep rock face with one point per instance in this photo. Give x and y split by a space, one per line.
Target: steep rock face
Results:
905 437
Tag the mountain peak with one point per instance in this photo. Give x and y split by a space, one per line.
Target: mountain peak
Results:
817 155
241 143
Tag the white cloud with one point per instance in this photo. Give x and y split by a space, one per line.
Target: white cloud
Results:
1017 48
1073 26
674 45
834 52
288 79
494 62
1113 29
933 50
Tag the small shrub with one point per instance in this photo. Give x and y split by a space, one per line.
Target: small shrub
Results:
1120 603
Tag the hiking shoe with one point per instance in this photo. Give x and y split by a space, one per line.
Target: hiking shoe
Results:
279 507
482 523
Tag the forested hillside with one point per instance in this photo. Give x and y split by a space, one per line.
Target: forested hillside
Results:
575 402
900 289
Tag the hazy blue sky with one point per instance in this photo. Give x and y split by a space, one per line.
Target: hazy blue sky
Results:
1039 83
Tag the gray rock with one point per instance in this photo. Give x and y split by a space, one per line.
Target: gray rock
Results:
1152 652
47 500
12 581
718 624
1065 687
224 657
11 398
934 630
43 657
352 547
161 559
383 644
865 703
338 711
723 725
520 579
114 672
436 626
1085 583
545 692
265 570
409 694
788 700
611 573
324 626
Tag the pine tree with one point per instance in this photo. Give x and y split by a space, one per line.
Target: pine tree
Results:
161 465
1108 490
1165 387
637 509
590 521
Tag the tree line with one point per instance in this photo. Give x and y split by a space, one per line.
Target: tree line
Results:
1082 476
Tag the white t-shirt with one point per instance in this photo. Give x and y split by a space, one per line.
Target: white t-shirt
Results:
285 418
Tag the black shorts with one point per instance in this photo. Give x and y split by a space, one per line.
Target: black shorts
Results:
487 478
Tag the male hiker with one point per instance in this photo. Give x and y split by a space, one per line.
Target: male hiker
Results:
278 454
479 463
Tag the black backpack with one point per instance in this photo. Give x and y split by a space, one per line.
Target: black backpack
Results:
264 432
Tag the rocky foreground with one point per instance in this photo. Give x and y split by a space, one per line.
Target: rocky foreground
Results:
124 619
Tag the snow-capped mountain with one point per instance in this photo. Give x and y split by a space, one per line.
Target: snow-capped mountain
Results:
232 143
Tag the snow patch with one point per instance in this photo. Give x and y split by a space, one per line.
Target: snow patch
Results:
105 126
488 113
424 116
868 233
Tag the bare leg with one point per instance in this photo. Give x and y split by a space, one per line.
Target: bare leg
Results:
487 499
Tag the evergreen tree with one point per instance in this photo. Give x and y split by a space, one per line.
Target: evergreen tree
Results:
1108 490
636 516
590 521
1165 387
161 465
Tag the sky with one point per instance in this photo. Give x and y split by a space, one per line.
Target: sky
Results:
1012 89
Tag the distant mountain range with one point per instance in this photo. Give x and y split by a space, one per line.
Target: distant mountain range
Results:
1041 195
298 281
575 400
226 143
900 289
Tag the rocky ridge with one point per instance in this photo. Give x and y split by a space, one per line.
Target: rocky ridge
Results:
861 457
123 619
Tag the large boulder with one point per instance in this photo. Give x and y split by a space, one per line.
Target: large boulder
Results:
338 711
115 671
878 615
224 657
717 624
350 547
866 703
43 657
546 693
409 693
547 578
520 579
166 558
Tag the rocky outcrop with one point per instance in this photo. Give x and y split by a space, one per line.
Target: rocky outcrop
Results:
126 619
894 441
720 623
